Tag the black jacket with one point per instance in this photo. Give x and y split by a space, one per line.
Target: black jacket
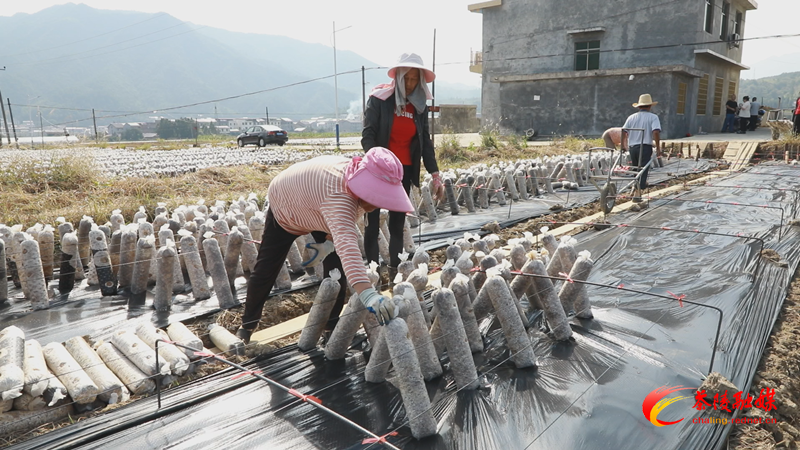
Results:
378 121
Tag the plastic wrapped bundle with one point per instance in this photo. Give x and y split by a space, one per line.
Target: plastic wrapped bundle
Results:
194 266
216 267
235 241
35 370
134 378
139 353
518 342
69 260
167 238
408 239
554 312
12 357
346 328
143 258
127 256
458 351
460 288
478 278
46 241
412 313
78 383
84 227
110 389
256 226
420 257
517 255
162 300
412 386
102 262
320 311
464 263
178 361
379 361
427 202
573 295
404 269
450 193
178 332
32 274
249 249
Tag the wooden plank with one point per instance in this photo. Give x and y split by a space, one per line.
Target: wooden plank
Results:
731 151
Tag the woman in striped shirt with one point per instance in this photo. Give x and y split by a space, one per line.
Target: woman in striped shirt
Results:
324 196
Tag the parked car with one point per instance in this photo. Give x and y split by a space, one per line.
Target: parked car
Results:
261 135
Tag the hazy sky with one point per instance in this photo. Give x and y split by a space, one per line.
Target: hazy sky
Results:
380 30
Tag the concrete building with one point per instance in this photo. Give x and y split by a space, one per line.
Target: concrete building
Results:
575 67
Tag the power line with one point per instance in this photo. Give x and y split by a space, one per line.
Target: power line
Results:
172 108
86 39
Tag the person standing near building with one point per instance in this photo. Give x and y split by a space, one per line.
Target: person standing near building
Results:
397 118
796 117
744 115
640 144
730 115
755 105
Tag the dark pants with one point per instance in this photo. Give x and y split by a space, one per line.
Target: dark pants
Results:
796 127
640 155
275 245
729 121
753 123
744 124
396 224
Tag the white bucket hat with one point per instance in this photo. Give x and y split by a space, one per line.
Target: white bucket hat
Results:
415 61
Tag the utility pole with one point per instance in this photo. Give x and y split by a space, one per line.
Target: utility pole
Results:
41 126
8 135
267 108
13 127
433 93
363 95
336 86
94 120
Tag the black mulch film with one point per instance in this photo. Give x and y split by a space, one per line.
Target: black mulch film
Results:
586 393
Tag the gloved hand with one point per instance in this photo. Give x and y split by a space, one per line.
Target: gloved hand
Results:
437 187
319 251
383 308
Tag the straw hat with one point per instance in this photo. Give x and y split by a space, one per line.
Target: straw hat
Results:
645 100
415 61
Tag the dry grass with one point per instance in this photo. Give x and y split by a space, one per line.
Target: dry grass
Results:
73 194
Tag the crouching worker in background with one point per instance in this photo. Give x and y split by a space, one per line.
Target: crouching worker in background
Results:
324 196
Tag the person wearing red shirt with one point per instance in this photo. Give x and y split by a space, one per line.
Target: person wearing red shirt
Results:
397 118
796 117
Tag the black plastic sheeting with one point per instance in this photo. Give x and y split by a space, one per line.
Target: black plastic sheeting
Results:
586 393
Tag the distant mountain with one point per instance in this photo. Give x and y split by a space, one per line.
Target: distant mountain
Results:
785 86
75 58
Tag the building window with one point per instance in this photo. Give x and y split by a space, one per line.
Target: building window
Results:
681 98
723 32
718 104
709 20
732 89
587 55
702 96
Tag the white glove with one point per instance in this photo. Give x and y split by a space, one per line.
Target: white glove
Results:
383 308
319 252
